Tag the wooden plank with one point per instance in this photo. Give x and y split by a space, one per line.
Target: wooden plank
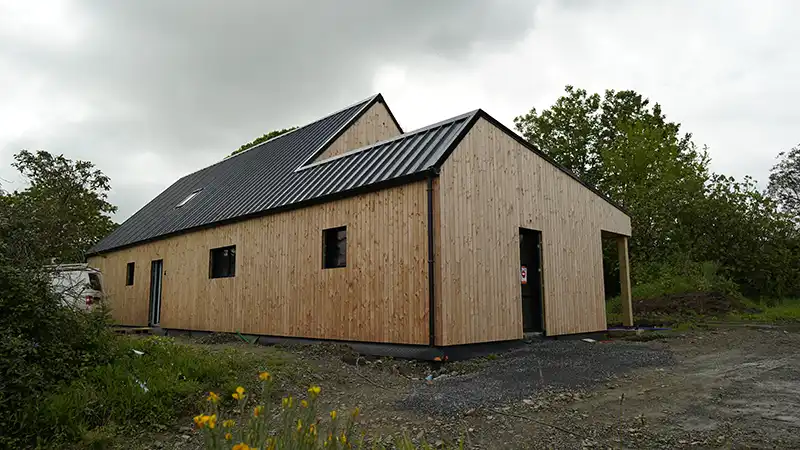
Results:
625 281
490 187
374 125
280 287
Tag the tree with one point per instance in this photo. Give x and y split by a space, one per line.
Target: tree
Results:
627 149
625 146
743 230
264 138
784 181
43 344
63 212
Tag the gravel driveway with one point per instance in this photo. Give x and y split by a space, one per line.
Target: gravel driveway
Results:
539 366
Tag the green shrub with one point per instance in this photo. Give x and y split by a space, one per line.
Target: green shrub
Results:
42 345
675 277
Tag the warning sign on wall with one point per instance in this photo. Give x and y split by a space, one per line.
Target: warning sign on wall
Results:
523 275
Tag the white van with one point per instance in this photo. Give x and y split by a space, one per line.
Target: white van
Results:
79 285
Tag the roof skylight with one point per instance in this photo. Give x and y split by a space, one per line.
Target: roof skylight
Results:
188 197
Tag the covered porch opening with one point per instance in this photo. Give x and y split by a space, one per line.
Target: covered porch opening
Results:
614 243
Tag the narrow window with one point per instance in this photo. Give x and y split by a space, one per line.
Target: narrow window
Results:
129 274
223 262
334 248
188 197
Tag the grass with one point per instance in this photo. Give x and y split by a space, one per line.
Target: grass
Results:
783 311
152 382
149 384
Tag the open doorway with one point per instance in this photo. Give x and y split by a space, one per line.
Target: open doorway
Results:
617 279
530 276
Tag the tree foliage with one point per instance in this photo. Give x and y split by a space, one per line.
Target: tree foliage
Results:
264 138
784 181
63 212
626 147
43 343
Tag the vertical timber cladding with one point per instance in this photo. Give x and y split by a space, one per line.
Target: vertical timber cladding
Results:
280 287
130 303
375 125
490 187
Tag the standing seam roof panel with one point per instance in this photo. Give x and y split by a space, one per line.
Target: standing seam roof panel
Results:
269 176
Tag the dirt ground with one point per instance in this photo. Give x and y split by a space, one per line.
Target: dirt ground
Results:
723 388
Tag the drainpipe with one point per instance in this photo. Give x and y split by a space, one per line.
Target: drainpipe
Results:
431 265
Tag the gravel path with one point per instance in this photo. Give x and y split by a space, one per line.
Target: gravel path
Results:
539 366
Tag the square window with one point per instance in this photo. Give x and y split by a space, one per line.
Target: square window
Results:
129 270
334 248
223 262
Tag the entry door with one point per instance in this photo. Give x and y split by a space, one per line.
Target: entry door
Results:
530 278
156 277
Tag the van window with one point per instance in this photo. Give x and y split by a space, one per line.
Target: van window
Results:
94 281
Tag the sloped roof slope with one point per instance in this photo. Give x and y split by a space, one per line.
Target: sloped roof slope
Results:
271 176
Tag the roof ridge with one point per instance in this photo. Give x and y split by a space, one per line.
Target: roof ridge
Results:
366 101
386 141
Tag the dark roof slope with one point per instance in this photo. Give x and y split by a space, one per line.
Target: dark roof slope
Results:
269 177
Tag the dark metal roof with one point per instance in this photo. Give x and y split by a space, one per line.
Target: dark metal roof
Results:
269 177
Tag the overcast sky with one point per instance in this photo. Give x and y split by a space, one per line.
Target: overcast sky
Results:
152 90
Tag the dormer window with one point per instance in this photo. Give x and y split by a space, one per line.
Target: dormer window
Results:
188 197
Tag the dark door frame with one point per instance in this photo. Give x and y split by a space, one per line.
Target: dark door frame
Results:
539 263
156 288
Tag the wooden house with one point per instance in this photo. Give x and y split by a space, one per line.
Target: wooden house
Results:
351 229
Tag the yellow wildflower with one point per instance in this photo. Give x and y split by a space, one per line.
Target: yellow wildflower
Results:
312 429
202 420
333 415
258 410
239 394
229 423
356 412
264 376
299 424
241 446
228 436
304 404
314 391
212 397
284 402
343 439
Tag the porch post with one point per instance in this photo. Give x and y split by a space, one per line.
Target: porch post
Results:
625 281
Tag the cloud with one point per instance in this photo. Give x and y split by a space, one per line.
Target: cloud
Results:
153 90
181 84
726 71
